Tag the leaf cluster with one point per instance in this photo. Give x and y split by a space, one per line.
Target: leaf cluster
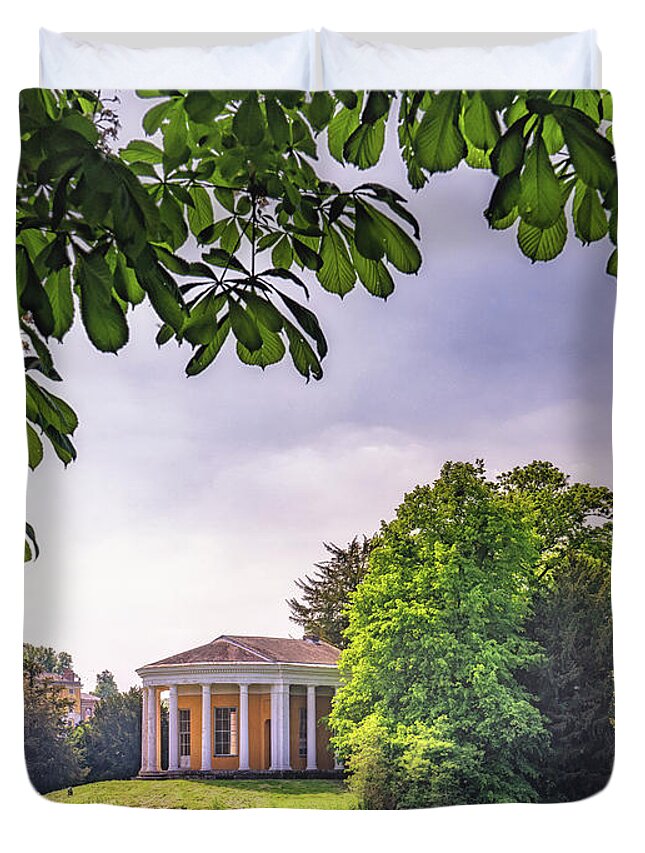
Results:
99 232
543 147
236 173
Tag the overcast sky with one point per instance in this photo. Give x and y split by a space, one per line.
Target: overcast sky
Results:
195 503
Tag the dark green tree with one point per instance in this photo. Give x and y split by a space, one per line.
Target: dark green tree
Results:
431 702
326 593
575 689
572 621
105 685
110 741
39 658
51 760
64 663
46 659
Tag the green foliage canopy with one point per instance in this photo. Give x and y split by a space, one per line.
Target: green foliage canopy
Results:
109 743
50 757
105 685
37 659
572 621
100 231
435 640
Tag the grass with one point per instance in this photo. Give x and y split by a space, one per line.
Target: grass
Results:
214 794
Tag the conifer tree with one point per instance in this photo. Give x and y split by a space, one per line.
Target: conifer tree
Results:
325 594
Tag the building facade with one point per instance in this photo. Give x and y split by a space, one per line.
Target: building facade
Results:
68 686
88 706
245 704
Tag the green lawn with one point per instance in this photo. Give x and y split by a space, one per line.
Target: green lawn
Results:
214 794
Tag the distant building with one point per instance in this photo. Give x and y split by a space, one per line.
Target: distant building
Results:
88 705
251 704
82 705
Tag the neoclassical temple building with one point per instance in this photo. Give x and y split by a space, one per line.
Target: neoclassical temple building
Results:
249 704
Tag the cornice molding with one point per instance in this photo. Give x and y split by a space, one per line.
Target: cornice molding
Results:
165 675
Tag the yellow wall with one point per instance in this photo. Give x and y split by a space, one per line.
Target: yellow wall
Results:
259 712
194 705
259 744
77 699
259 730
324 758
298 701
224 700
74 698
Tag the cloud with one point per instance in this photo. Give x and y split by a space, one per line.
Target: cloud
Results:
133 580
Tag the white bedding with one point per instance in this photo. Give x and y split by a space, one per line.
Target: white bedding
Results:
301 61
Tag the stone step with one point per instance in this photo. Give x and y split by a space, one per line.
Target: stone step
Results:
241 774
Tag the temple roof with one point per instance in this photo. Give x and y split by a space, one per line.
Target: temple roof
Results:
229 648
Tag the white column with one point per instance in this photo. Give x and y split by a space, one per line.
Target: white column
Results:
207 750
144 730
152 729
275 728
311 727
173 730
285 718
243 763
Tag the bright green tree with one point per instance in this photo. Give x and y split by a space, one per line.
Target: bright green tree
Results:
431 702
326 593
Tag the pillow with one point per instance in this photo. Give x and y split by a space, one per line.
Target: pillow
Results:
285 62
566 62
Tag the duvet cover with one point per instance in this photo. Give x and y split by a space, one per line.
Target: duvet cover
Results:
334 528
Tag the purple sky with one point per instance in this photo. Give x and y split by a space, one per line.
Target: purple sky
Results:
195 503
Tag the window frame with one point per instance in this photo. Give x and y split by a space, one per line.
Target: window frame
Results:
233 731
182 732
